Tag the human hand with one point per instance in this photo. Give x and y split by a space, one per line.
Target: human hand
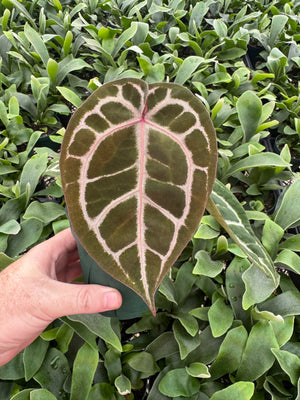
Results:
34 292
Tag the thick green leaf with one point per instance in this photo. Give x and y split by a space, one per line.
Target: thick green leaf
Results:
44 212
178 382
14 369
37 42
99 325
32 172
69 95
186 342
198 370
249 108
31 230
257 160
290 363
143 362
206 266
230 353
186 69
288 212
138 163
84 368
53 372
227 210
123 385
34 356
285 304
41 394
220 317
260 342
237 391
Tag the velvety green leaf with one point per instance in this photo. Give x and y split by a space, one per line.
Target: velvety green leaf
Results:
23 395
198 370
289 258
206 266
29 234
257 160
32 171
123 385
220 317
103 391
288 212
290 363
11 227
186 342
82 331
283 330
38 44
163 346
53 372
41 394
230 353
272 234
151 144
186 69
14 369
142 362
292 243
99 325
278 23
285 304
265 315
179 383
65 67
258 286
189 323
235 288
84 368
184 281
69 95
44 212
34 356
260 341
124 37
237 391
227 210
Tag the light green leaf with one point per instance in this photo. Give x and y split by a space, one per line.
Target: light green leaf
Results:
29 234
38 44
32 172
186 342
198 370
288 212
143 362
230 353
227 210
220 317
290 363
11 227
257 160
69 95
41 394
206 266
289 259
258 286
123 385
178 382
237 391
125 37
34 356
260 341
53 372
99 325
249 108
44 212
277 26
286 304
186 69
272 234
84 368
283 330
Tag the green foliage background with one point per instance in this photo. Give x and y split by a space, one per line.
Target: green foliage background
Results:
221 330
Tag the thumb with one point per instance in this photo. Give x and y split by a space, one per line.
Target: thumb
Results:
68 299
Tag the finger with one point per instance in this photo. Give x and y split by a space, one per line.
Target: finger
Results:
67 299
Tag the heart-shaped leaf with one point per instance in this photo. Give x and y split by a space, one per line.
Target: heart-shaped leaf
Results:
138 163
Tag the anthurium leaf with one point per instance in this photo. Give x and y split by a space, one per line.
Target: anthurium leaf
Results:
237 391
138 163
